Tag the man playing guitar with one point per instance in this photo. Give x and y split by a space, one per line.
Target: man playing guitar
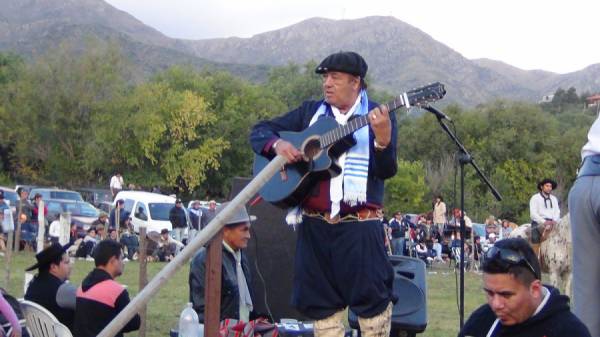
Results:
340 257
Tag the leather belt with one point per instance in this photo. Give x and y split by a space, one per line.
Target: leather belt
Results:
590 166
362 214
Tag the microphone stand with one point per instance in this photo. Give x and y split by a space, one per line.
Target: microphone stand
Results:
464 158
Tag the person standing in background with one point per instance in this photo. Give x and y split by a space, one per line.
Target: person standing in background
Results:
116 184
439 214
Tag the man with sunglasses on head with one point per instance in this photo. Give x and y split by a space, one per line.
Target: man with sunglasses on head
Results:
518 304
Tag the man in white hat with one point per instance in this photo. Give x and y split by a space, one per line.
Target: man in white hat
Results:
236 294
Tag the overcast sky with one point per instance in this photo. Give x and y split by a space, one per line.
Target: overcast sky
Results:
560 36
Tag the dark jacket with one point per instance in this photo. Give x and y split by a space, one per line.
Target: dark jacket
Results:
195 216
230 297
554 320
382 164
99 300
42 290
123 215
177 217
207 216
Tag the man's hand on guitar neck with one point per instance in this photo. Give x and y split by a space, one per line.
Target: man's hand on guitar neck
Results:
287 150
379 119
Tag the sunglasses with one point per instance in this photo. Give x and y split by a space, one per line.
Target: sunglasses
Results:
508 257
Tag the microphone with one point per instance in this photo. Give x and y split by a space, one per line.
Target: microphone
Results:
439 114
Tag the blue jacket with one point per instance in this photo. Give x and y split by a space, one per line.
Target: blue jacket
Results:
382 164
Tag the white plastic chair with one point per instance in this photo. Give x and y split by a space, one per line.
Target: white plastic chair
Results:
456 253
41 323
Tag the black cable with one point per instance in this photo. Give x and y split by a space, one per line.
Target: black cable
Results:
262 279
454 189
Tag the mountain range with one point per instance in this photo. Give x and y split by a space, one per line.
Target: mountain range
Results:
400 56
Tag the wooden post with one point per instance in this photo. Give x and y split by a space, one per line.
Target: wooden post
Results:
41 227
143 276
212 290
8 225
142 298
8 255
18 229
117 220
65 228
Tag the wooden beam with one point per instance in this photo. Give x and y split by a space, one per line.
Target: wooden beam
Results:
212 290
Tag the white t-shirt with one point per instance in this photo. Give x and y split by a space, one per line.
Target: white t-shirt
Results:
116 182
540 209
592 147
54 229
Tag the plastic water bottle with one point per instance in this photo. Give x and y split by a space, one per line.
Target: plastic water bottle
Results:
188 322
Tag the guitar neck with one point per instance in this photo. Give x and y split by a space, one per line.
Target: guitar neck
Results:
333 136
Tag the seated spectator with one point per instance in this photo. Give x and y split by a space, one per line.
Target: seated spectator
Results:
505 229
518 304
49 287
100 233
86 247
491 225
437 248
422 252
131 243
112 235
100 298
454 223
167 246
236 294
491 240
477 251
102 220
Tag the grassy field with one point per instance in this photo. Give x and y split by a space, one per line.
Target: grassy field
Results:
164 309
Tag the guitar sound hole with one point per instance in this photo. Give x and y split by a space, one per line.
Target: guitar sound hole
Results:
312 149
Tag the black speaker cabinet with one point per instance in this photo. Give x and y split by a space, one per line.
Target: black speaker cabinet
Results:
409 315
270 253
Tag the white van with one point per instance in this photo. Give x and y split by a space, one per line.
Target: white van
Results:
151 209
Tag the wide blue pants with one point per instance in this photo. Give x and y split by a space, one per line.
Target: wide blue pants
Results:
341 265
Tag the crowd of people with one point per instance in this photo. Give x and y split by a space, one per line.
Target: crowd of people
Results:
341 259
420 236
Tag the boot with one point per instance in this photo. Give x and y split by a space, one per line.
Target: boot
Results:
331 326
377 326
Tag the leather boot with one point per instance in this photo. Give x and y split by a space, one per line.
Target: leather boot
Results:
377 326
331 326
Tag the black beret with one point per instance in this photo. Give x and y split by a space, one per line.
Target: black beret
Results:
344 61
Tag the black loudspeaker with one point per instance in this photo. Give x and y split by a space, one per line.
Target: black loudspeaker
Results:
270 253
409 314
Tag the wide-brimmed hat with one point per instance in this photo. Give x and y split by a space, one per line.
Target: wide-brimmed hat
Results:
48 255
344 61
546 181
239 215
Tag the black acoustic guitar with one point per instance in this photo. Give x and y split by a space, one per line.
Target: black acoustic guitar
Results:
322 143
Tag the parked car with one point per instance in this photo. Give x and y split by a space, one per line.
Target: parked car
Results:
55 193
11 196
95 196
82 213
149 209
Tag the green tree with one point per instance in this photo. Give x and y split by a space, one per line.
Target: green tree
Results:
406 190
52 107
